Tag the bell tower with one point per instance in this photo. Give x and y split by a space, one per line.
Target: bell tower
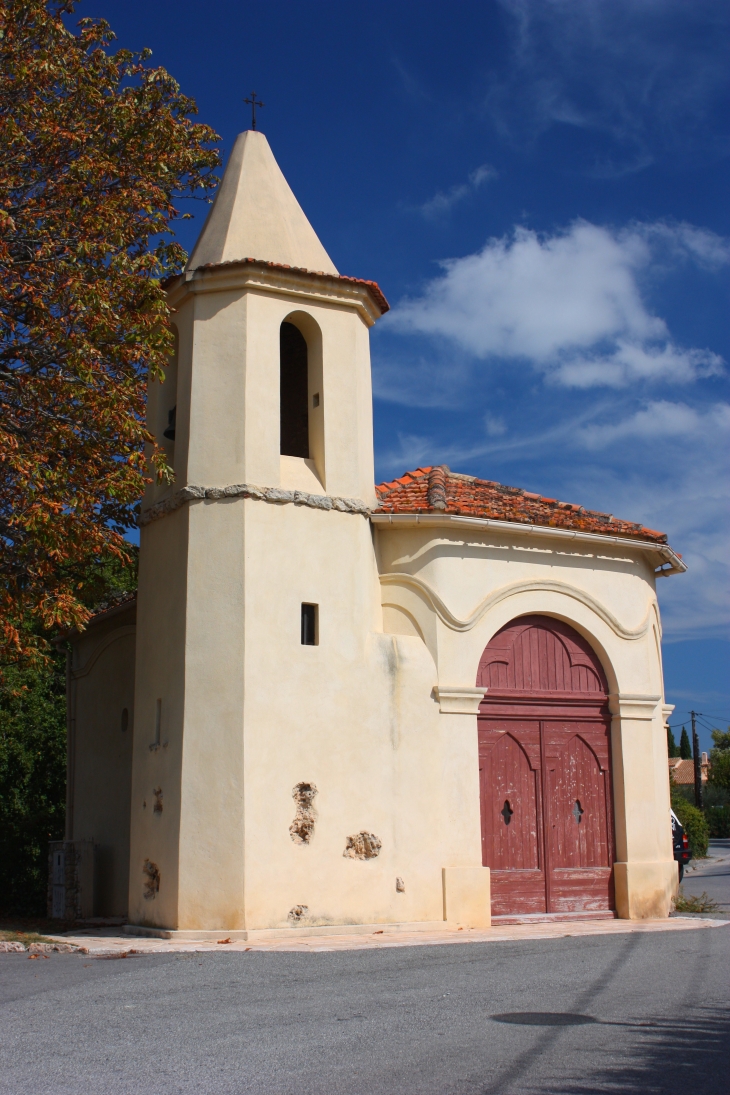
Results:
247 560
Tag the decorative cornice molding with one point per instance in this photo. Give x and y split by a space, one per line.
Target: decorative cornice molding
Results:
531 586
456 699
637 707
674 565
276 495
363 296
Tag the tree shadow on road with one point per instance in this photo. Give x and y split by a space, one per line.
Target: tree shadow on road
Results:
691 1054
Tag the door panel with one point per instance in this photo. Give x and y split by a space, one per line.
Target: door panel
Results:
577 793
509 763
544 759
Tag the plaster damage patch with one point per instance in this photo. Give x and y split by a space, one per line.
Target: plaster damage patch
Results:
362 846
152 880
298 913
301 829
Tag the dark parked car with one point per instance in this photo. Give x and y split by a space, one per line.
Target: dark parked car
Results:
682 854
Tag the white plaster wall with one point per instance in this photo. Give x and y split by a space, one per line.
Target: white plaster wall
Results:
102 686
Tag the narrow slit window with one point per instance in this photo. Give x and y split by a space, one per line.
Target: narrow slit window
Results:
294 392
158 725
125 720
309 625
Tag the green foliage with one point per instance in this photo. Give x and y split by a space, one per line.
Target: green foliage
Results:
714 795
719 774
33 752
721 739
672 748
685 791
32 780
718 820
694 823
701 904
97 150
685 749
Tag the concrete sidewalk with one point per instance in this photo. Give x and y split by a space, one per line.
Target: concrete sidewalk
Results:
103 942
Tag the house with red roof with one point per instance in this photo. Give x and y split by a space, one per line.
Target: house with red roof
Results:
433 701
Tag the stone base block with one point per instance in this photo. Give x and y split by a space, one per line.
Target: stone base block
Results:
281 935
644 891
467 896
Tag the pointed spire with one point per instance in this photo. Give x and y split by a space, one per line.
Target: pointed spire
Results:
255 215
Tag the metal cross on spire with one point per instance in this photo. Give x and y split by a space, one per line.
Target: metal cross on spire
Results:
253 103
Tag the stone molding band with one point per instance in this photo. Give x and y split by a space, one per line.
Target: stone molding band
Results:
455 624
246 490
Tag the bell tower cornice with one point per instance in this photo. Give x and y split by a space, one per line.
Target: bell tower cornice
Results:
365 297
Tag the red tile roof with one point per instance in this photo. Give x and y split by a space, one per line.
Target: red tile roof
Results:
683 771
439 490
372 286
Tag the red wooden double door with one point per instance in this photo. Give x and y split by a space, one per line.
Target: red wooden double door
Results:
545 771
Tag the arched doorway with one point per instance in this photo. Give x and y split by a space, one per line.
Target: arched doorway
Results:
545 771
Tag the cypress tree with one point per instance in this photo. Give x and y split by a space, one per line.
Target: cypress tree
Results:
685 749
672 748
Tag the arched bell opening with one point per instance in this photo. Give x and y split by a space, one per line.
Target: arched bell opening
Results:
545 772
301 396
293 392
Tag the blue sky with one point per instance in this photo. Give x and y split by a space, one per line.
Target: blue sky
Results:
540 188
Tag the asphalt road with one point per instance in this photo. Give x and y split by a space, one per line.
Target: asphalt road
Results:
616 1013
711 876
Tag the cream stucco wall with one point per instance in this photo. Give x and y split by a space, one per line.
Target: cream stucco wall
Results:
101 689
458 586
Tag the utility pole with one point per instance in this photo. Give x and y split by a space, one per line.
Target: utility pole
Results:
697 761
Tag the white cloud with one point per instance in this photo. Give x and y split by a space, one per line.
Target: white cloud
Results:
647 74
442 203
631 361
495 427
660 420
570 304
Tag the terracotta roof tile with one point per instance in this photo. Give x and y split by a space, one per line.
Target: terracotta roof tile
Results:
683 771
434 490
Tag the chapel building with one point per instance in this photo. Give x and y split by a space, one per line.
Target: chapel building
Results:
434 702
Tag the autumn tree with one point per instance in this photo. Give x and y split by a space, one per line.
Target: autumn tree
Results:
97 149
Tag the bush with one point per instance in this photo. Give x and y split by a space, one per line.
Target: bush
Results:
720 768
694 823
32 781
718 820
